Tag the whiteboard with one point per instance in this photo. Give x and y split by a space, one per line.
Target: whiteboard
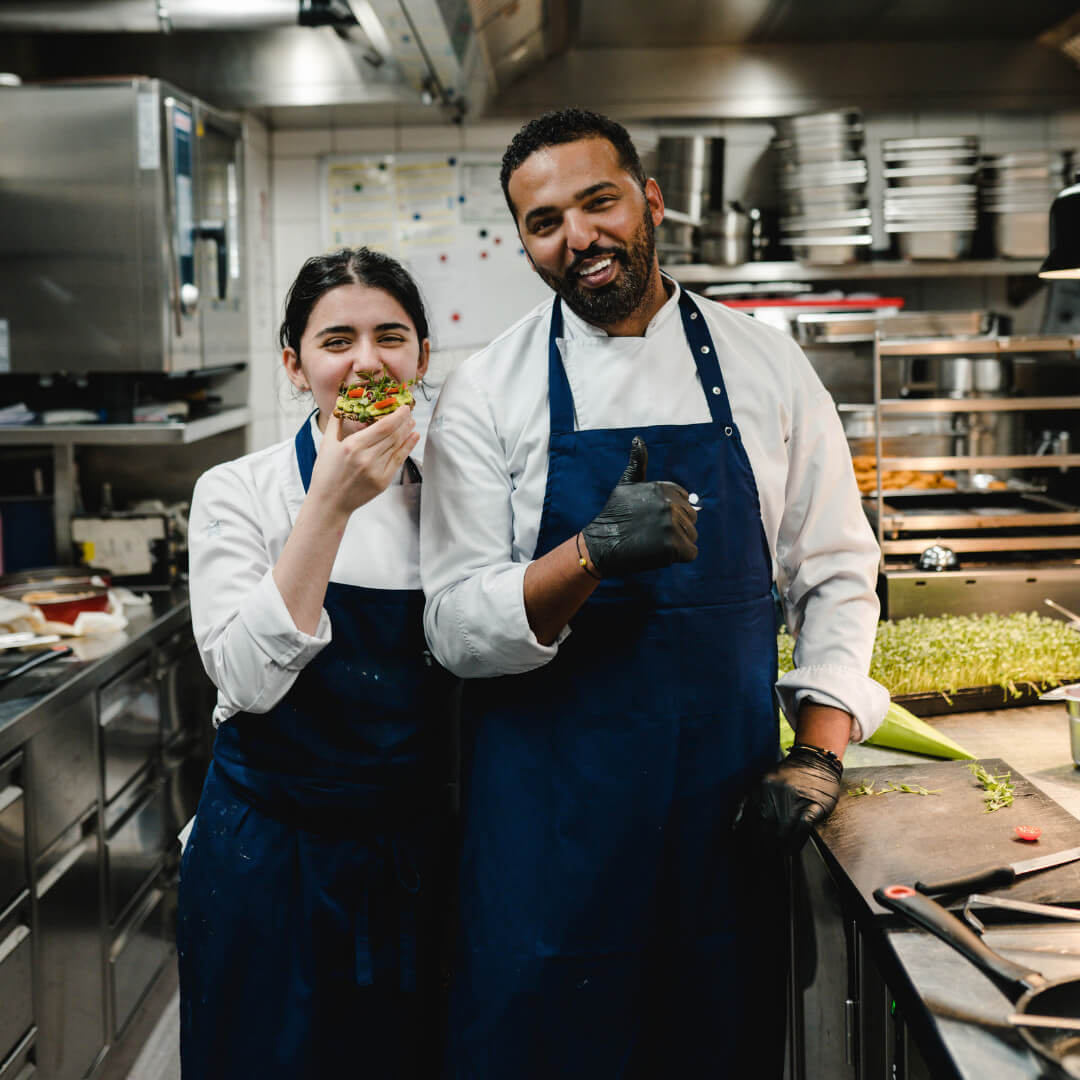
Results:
444 217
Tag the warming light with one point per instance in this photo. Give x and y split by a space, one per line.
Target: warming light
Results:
1064 258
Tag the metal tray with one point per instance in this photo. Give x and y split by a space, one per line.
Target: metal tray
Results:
974 698
836 328
950 511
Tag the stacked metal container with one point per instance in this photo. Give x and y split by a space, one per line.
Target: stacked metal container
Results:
689 170
822 176
930 195
1017 190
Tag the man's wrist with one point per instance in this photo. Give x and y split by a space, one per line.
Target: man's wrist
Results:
822 754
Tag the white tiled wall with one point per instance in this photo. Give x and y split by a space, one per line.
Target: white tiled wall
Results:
292 161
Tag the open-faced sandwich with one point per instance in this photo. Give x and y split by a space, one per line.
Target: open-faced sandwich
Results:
369 396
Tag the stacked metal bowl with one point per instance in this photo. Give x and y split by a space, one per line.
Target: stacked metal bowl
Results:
822 176
1017 190
930 195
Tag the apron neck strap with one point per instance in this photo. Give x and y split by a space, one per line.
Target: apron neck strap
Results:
305 450
697 337
704 351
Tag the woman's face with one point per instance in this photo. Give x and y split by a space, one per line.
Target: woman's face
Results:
354 328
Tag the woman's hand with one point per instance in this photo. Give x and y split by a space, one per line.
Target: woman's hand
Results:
351 470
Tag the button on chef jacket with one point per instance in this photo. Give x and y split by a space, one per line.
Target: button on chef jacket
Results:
485 473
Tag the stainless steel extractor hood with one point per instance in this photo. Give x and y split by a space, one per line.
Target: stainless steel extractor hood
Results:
764 58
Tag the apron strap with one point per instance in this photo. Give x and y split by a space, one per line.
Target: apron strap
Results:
701 345
305 450
698 338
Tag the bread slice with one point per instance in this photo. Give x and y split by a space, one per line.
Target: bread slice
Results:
370 397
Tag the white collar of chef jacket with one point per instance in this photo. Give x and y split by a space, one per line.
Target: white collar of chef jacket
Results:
576 327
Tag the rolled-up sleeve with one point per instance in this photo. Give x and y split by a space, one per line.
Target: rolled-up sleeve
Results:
827 559
249 645
474 615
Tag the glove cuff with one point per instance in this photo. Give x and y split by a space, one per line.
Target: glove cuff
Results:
826 757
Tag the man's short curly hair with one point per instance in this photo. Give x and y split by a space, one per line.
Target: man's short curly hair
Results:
567 126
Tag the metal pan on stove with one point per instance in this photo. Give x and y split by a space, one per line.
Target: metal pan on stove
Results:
1033 995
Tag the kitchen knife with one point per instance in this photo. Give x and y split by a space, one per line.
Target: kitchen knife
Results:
998 875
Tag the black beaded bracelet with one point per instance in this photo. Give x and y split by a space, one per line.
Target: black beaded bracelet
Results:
828 755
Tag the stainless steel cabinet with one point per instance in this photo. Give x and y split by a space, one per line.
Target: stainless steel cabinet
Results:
846 1025
17 1030
62 767
16 981
89 810
138 953
136 845
70 1000
12 835
121 205
129 715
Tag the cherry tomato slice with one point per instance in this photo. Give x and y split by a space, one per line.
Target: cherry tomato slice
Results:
1028 832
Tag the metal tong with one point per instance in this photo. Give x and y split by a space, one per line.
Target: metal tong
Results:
1074 619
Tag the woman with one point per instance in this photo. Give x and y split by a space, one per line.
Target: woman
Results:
310 884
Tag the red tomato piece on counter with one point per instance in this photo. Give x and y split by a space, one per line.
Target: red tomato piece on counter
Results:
1028 832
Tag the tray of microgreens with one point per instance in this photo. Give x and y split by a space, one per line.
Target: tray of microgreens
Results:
956 663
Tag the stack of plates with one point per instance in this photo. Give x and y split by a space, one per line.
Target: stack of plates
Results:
822 178
930 191
1017 190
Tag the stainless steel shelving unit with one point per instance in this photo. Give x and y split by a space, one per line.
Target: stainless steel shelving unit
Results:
150 434
1012 554
990 346
63 438
881 269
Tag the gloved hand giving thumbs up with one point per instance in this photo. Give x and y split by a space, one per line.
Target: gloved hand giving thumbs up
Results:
644 525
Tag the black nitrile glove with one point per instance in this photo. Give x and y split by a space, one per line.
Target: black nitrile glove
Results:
790 799
643 526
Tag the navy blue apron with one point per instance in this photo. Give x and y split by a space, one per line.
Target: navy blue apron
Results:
609 927
307 933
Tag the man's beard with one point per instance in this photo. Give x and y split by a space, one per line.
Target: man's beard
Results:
618 300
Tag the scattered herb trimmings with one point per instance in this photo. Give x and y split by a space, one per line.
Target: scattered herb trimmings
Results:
999 789
867 788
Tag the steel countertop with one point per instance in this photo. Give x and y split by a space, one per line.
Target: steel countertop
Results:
31 701
1035 741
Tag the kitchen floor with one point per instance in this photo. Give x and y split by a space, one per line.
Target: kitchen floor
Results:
159 1058
150 1048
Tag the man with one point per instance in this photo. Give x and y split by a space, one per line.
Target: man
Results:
620 638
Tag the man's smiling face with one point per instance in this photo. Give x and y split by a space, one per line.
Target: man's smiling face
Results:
588 228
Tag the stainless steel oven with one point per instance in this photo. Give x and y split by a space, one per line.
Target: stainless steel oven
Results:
121 203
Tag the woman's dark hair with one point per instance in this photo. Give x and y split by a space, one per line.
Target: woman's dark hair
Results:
567 126
348 266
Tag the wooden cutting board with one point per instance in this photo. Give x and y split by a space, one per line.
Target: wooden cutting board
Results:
875 840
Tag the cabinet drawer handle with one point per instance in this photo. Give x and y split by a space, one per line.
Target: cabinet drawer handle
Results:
62 867
9 795
13 941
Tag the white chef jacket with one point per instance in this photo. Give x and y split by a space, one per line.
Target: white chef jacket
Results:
242 512
485 474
